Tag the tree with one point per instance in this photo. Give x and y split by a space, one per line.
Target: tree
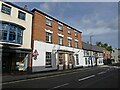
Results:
104 45
109 48
98 43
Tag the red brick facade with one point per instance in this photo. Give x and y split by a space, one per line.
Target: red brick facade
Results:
39 33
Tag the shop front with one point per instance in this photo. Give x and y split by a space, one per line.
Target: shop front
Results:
65 60
14 60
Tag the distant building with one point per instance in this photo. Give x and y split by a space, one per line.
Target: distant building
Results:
58 45
93 55
15 37
107 56
115 56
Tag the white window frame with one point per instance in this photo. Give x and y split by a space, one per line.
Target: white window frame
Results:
60 26
49 37
69 30
60 40
49 59
70 42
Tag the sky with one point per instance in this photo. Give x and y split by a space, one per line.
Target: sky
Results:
99 19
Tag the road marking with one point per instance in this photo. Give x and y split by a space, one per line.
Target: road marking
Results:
116 67
86 78
101 72
60 85
35 78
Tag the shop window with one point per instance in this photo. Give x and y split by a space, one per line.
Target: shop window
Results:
86 61
77 59
21 15
6 9
70 58
61 58
48 58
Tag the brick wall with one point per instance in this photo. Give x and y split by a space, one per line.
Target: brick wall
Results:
39 33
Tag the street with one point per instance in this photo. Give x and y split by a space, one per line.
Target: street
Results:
95 77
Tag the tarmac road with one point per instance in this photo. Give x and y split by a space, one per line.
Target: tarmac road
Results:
96 77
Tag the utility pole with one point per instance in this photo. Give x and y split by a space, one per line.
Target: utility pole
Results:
91 49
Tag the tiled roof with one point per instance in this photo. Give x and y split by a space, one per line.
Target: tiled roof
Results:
90 47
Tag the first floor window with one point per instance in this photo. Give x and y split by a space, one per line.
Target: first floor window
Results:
11 33
48 58
48 37
60 40
76 44
69 42
77 59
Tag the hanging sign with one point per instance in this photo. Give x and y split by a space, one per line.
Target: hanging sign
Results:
35 54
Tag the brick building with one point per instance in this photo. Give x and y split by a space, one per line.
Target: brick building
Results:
56 45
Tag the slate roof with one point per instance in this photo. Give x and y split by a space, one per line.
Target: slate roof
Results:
87 46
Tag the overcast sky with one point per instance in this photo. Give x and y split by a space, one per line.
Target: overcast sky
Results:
97 18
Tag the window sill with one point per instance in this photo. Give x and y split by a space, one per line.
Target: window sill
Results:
21 19
49 42
49 66
60 30
49 25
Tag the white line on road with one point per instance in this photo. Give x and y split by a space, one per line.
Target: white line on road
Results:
60 85
86 78
36 78
101 72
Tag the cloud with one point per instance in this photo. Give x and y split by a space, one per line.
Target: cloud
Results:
63 0
98 25
45 7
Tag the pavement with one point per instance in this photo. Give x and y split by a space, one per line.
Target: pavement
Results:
13 77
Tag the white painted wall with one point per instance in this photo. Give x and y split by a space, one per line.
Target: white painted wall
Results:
43 47
13 18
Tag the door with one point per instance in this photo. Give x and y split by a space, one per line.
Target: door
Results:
61 61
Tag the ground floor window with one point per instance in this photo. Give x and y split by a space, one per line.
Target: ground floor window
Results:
77 59
61 58
86 61
48 58
70 58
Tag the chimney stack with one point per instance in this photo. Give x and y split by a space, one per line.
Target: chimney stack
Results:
25 7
